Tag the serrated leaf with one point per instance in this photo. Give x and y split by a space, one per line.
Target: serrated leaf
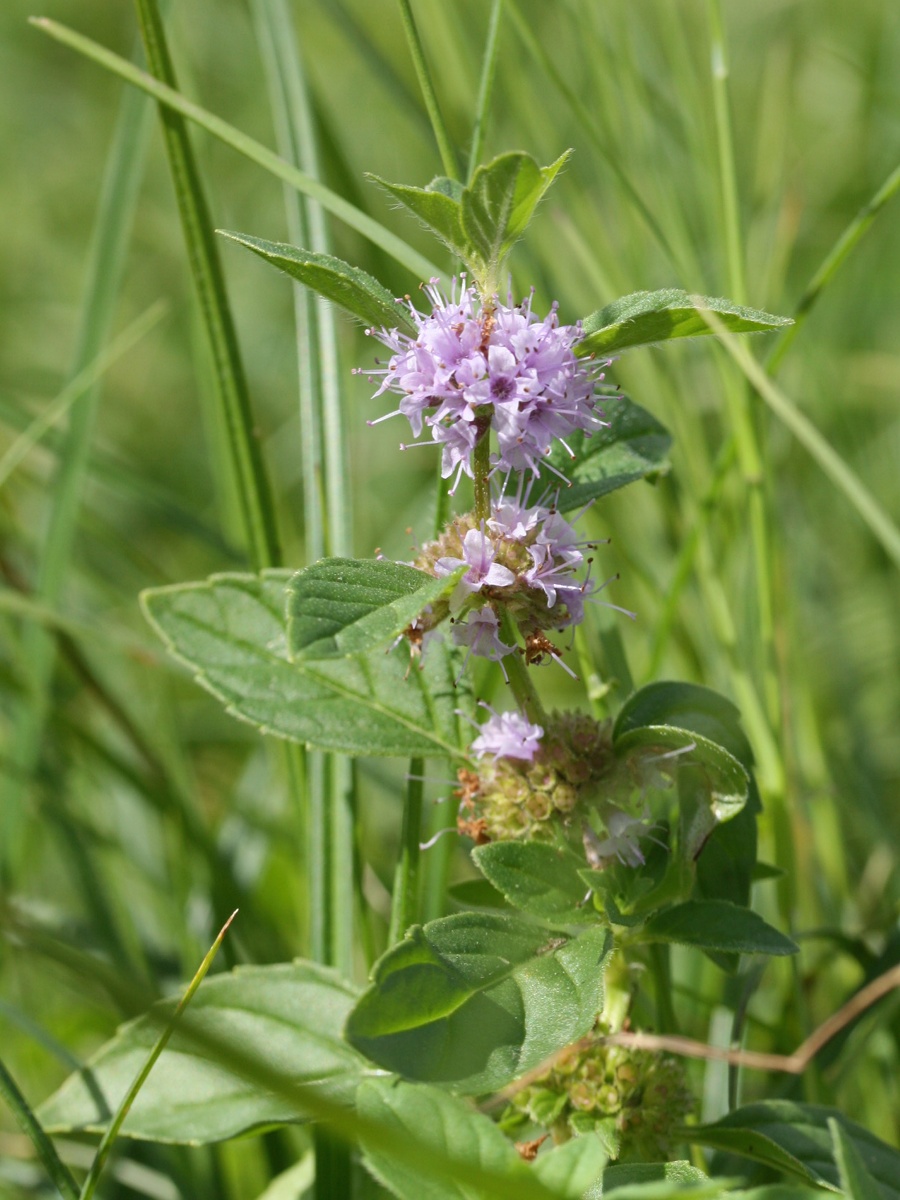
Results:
795 1139
499 203
230 631
357 292
717 925
572 1167
436 208
645 318
436 1120
538 879
633 446
343 606
288 1016
476 999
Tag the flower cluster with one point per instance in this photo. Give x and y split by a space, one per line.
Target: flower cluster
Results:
523 561
476 362
643 1096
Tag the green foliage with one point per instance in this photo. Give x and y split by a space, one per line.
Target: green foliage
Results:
647 318
717 925
352 289
288 1016
634 445
537 878
482 222
344 606
231 632
474 1000
796 1139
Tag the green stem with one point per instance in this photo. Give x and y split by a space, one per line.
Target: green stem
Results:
406 876
661 968
520 680
417 52
485 87
481 467
256 506
31 1127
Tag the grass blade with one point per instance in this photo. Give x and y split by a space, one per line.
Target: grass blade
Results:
112 1132
168 96
31 1127
439 128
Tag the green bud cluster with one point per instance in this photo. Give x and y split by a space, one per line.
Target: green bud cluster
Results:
640 1096
510 798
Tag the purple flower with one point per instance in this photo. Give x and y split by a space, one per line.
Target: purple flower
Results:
478 553
468 354
480 633
508 735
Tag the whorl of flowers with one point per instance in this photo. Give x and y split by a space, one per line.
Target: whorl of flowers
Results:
644 1095
475 360
514 797
523 560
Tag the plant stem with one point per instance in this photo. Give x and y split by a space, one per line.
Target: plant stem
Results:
517 672
661 967
481 466
406 875
31 1127
441 136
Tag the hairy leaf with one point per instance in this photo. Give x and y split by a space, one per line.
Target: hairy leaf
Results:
436 208
475 999
717 925
230 630
645 318
343 606
536 878
357 292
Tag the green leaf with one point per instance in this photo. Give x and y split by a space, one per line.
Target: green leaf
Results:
621 1175
538 879
230 630
687 706
795 1139
855 1178
343 606
288 1016
571 1168
717 925
476 999
435 1120
436 209
645 318
357 292
499 203
633 446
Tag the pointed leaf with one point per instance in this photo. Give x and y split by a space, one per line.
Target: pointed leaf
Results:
438 1121
500 201
633 446
538 879
687 706
644 318
438 210
856 1180
231 632
287 1016
795 1138
717 925
357 292
343 606
475 999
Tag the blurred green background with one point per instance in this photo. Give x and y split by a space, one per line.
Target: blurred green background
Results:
146 808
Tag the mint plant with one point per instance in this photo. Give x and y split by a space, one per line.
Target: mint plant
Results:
493 1050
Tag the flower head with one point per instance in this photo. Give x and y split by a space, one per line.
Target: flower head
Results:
471 357
507 735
